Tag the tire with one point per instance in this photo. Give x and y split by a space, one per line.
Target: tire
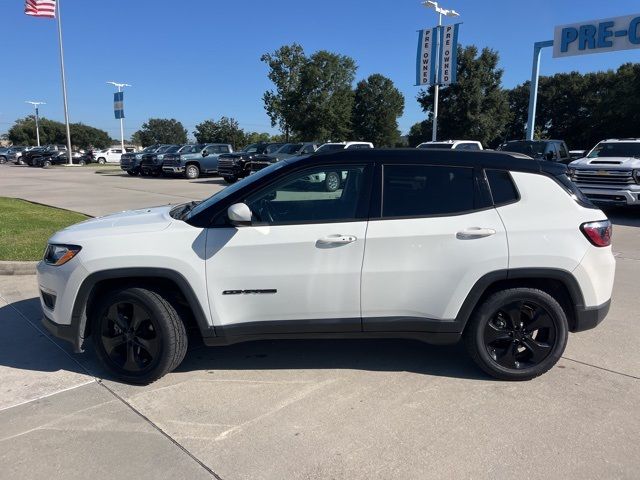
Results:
3 160
133 173
46 164
332 182
82 162
144 352
102 161
508 351
230 179
192 171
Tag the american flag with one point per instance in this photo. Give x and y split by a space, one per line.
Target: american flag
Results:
40 8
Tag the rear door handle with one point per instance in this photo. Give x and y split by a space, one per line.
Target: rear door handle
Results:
475 232
337 239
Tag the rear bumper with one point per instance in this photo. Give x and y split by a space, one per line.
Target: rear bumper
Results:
590 317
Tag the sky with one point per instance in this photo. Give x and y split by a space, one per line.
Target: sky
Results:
200 59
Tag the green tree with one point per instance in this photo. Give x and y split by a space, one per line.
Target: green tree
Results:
225 130
285 69
325 99
377 106
420 132
476 107
160 130
23 132
255 137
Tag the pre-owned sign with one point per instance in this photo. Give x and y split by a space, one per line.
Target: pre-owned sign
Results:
597 36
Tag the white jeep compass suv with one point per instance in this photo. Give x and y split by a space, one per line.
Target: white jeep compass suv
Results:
495 248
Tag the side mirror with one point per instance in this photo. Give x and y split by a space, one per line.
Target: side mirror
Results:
550 156
239 214
205 153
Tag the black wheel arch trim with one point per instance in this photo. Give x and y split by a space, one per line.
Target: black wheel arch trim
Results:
79 312
565 277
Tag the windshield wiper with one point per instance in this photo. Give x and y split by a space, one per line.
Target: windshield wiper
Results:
186 208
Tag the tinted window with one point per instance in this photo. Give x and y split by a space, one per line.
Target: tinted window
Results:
467 146
503 190
308 149
319 194
422 190
564 153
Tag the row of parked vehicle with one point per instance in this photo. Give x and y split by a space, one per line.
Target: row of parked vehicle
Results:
191 161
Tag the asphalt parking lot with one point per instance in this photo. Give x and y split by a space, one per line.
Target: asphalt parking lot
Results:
308 409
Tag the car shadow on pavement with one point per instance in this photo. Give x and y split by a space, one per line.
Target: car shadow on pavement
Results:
379 355
35 349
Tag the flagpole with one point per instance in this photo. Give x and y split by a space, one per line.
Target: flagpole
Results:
64 84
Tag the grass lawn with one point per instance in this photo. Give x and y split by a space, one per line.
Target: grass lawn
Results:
25 227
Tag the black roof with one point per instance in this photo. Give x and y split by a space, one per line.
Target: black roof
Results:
464 158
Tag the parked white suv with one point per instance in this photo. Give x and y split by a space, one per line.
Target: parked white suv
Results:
111 155
495 248
337 146
610 172
452 145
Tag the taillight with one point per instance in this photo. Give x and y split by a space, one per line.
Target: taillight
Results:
598 233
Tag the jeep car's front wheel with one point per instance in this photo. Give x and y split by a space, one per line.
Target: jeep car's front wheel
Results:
517 334
138 334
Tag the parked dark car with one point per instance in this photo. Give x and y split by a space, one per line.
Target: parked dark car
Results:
58 158
130 162
14 154
30 156
232 166
288 150
151 163
549 150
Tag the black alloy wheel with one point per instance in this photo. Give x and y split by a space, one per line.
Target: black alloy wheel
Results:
129 337
517 333
138 334
520 335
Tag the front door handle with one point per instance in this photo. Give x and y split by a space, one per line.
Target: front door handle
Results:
475 232
337 239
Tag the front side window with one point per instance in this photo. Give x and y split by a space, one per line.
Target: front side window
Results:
427 190
317 195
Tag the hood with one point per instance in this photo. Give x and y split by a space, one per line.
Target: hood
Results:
611 163
133 221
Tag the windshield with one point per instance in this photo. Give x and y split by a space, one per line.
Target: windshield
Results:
617 149
330 147
431 146
290 148
533 149
150 149
272 148
191 149
230 190
164 149
250 148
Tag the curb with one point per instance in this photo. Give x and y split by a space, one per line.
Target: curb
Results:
18 268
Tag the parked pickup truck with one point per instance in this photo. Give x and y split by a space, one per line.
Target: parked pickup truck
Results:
130 162
30 156
193 160
151 163
232 166
610 173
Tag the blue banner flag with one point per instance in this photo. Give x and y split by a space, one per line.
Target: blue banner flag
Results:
118 104
437 58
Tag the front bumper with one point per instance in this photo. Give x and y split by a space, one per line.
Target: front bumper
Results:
173 169
590 317
146 169
611 196
68 333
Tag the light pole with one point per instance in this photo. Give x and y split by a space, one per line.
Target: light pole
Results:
120 86
449 13
36 105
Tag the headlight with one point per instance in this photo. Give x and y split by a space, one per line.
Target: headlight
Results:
636 176
57 255
160 157
138 156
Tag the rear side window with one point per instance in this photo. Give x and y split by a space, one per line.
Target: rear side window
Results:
427 190
503 190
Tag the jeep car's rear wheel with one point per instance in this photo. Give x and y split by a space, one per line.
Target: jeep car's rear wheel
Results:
138 335
517 334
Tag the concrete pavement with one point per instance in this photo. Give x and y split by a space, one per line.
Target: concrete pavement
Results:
315 409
